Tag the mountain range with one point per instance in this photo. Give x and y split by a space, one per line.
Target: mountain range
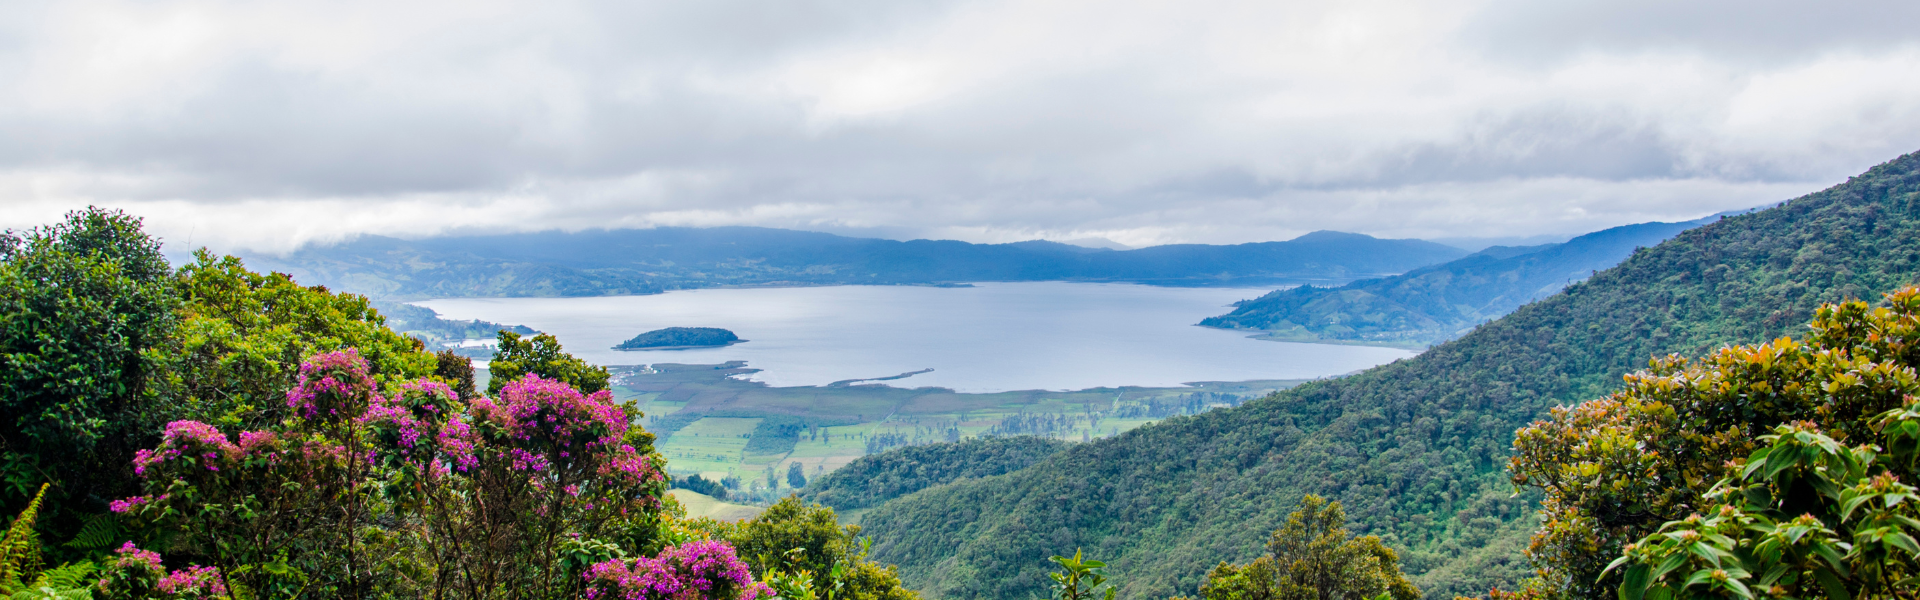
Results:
1439 302
1414 449
643 261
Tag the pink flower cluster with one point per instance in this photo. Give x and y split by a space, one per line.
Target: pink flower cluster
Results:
551 413
192 442
407 421
333 386
121 506
129 556
131 564
194 582
700 570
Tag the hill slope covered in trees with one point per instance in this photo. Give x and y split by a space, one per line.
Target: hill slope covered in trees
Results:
1433 304
876 478
643 261
1415 449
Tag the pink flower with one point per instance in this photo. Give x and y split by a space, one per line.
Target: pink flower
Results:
333 386
194 581
705 570
192 442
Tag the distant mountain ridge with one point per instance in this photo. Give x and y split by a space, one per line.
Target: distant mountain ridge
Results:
1436 303
642 261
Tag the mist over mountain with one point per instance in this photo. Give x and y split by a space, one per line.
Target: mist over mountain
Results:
1436 303
643 261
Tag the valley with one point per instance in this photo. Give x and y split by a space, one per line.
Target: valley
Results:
713 423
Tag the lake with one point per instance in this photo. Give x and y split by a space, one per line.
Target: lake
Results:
991 337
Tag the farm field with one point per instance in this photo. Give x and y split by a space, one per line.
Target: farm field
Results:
713 423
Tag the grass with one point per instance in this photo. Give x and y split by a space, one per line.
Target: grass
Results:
845 418
702 505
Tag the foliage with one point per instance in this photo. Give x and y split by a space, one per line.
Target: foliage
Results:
20 550
875 478
673 337
1312 557
243 336
1616 469
540 355
484 496
1436 303
796 476
700 569
138 574
701 485
456 371
1080 579
1805 517
1413 450
792 538
82 303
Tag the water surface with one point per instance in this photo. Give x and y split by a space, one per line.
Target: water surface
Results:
989 338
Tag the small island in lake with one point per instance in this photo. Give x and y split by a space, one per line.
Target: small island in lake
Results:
681 337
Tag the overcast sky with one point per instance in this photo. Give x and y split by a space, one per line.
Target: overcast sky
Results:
264 125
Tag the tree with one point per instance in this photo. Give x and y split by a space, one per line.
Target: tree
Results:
1313 558
1805 517
243 335
1621 468
792 538
796 475
540 355
82 303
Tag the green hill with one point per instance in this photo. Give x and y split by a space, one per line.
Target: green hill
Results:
1415 449
1433 304
876 478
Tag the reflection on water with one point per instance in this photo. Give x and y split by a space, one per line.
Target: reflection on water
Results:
988 338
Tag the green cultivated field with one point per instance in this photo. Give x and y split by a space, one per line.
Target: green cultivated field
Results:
708 418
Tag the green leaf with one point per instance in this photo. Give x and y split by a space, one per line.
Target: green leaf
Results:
1835 590
1633 586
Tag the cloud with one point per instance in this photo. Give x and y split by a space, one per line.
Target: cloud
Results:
267 125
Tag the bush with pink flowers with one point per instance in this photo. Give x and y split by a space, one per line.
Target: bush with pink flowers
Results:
413 492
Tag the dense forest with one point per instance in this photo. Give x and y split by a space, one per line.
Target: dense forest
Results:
1437 303
876 478
1415 450
644 261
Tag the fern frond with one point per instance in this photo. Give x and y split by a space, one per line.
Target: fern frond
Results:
98 533
20 548
67 576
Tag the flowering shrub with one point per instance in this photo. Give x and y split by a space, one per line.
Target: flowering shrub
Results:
411 492
334 387
186 448
700 570
136 573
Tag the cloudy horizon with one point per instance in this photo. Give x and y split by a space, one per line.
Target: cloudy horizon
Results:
260 127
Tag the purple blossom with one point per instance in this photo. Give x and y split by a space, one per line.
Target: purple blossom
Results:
192 442
699 570
333 386
194 581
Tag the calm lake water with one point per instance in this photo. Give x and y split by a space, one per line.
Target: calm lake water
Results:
989 338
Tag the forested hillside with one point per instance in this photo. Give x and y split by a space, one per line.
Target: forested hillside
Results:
1436 303
876 478
643 261
1415 450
